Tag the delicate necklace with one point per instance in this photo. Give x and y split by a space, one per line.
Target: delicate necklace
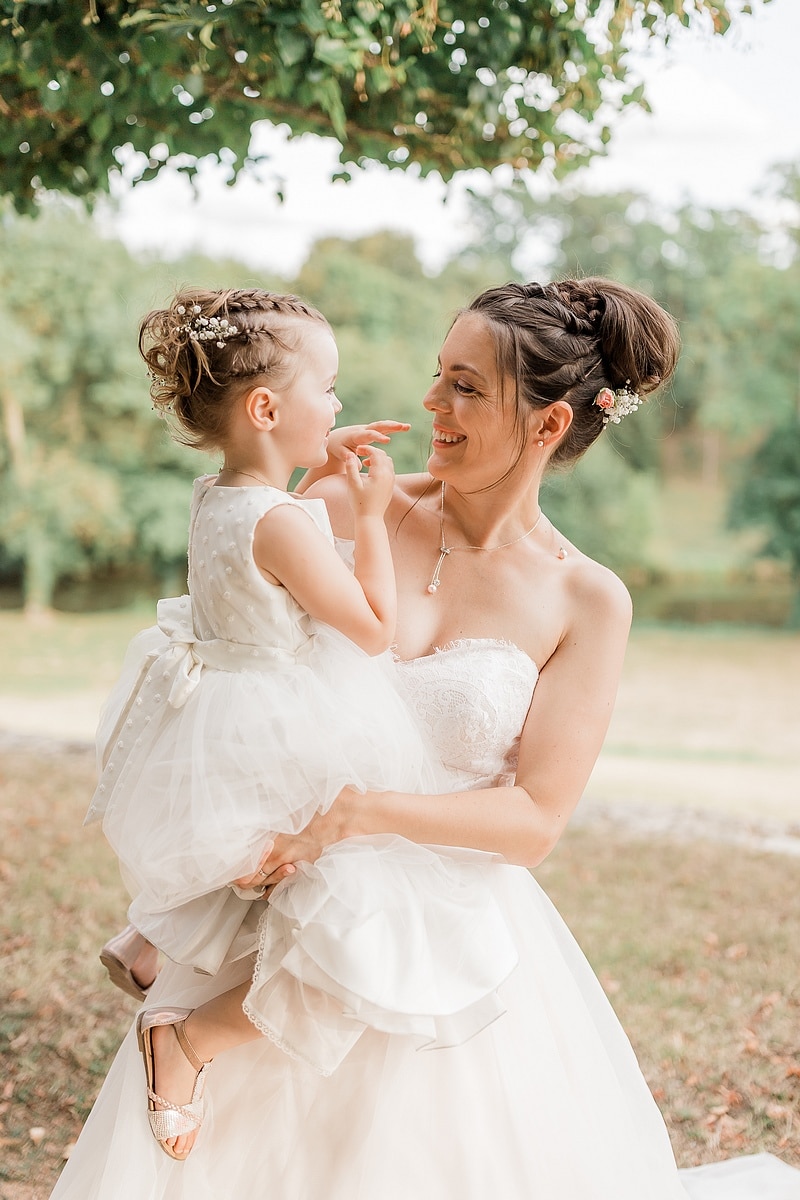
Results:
444 549
248 474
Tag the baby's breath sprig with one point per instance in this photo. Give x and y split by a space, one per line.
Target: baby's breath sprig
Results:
617 403
206 329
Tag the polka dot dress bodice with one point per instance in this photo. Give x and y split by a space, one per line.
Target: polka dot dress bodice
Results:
231 599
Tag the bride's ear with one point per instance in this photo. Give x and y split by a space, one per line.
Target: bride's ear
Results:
551 423
261 407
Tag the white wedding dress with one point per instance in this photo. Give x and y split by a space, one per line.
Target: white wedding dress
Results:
546 1103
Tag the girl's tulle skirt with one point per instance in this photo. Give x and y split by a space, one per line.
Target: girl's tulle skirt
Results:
201 765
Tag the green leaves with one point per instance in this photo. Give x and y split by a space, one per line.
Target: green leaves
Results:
493 80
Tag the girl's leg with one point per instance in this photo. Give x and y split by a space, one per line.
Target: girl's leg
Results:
218 1025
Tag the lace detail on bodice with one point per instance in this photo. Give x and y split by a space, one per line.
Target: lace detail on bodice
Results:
472 697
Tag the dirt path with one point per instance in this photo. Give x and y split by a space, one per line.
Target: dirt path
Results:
654 818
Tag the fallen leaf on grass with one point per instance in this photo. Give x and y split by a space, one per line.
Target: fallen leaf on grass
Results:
751 1044
17 943
610 986
37 1134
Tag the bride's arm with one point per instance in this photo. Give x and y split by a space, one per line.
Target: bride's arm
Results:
560 741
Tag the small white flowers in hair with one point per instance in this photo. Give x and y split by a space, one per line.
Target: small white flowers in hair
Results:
206 329
618 403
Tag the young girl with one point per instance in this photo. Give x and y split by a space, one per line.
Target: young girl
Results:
247 710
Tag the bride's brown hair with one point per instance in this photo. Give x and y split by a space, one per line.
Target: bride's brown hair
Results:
195 373
569 339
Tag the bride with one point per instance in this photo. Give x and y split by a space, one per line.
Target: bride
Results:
510 645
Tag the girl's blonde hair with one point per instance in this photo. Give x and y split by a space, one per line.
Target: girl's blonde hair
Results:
208 346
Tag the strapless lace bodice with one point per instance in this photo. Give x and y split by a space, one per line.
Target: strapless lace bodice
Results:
472 697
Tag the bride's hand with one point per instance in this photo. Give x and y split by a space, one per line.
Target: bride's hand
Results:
279 857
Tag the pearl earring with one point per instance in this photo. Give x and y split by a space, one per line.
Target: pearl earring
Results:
540 442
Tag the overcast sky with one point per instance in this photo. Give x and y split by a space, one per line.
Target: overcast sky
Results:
724 111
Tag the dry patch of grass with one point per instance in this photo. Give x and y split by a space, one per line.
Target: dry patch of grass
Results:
60 1024
696 944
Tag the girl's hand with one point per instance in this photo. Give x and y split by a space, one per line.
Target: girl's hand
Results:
354 438
369 494
350 439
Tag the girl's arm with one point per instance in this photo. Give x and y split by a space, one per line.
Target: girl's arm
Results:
561 739
350 439
289 549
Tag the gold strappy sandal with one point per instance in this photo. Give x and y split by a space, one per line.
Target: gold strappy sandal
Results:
170 1120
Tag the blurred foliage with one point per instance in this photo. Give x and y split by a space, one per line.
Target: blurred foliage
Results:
91 484
87 86
603 506
769 497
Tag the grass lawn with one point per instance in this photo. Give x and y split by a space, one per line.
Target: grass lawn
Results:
695 944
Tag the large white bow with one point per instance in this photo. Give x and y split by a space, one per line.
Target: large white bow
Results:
181 659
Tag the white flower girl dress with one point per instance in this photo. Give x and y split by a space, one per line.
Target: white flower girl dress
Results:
238 717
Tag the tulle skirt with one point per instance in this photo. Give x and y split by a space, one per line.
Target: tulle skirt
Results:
200 765
546 1103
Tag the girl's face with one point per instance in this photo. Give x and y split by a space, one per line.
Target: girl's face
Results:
309 404
475 433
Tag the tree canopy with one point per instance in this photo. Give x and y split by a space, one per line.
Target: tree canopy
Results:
440 84
93 492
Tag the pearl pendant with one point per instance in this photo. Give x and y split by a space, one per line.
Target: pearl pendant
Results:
431 588
561 552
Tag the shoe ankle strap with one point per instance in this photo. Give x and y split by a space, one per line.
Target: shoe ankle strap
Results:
188 1049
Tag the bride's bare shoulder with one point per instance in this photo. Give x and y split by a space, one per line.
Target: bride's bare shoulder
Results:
409 489
595 593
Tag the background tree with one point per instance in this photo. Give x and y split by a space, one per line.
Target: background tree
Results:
441 84
89 478
769 498
91 484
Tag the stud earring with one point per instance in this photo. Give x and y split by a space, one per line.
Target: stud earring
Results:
540 442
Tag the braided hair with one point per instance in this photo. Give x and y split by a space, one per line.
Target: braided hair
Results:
195 375
567 340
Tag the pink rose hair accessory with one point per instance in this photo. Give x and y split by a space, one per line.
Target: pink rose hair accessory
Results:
618 403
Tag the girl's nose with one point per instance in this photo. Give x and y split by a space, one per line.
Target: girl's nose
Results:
337 404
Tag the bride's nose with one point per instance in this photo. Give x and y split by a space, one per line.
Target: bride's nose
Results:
435 398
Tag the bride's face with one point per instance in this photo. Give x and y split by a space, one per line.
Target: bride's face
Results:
476 435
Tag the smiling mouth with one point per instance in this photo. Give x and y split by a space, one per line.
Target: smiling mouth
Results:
449 439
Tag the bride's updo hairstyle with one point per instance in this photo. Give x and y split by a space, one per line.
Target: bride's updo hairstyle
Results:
209 346
571 339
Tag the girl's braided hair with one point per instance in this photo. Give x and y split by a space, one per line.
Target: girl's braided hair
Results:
207 343
568 340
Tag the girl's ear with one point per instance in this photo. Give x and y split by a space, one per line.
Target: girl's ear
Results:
261 407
